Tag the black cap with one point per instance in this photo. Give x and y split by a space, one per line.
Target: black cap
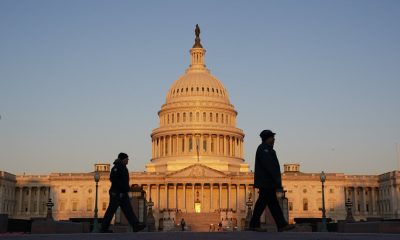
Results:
122 156
266 134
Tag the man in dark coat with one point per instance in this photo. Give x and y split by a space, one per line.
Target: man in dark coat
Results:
119 178
267 178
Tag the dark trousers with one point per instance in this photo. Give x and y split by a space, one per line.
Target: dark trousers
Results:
119 200
267 197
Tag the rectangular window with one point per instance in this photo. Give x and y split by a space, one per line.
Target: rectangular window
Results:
104 206
290 206
74 206
62 190
216 117
211 117
204 117
183 144
204 145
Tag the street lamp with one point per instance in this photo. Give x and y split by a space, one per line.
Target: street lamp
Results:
349 214
95 220
323 178
249 203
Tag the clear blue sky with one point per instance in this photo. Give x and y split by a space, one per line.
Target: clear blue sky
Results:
81 81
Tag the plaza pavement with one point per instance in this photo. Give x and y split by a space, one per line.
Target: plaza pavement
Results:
203 236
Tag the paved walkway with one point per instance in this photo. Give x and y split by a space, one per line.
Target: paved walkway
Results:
204 236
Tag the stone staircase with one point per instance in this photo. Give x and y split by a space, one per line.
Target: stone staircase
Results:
199 222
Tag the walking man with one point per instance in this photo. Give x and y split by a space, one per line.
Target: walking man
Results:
119 178
267 178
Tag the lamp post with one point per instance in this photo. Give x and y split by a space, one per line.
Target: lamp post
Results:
349 214
323 178
249 203
95 220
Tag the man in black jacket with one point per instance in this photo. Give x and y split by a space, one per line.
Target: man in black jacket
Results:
267 178
119 178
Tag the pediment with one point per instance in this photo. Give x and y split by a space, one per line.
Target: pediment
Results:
197 171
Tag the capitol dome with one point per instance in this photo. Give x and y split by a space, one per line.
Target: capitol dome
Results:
197 123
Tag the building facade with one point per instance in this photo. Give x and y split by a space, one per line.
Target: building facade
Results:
198 166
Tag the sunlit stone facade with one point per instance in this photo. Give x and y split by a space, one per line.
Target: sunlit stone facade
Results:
197 165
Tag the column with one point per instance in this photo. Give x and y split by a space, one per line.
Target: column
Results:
20 199
186 144
178 145
184 196
166 196
245 193
202 196
220 195
232 147
171 139
158 196
209 140
355 200
229 196
176 196
193 195
373 201
225 148
38 201
363 208
217 145
237 196
165 146
29 200
211 196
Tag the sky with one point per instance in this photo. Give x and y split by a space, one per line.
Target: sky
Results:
81 81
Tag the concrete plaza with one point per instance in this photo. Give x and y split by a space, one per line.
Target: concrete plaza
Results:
204 236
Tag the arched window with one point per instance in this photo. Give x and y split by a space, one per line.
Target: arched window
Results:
216 117
305 204
177 117
197 116
191 117
211 117
184 117
204 116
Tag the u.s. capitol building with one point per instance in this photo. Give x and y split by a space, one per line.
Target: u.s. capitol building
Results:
198 167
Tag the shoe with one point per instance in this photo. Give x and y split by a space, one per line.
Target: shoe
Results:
258 229
286 228
106 231
139 227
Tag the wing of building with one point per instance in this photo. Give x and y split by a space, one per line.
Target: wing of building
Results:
197 167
